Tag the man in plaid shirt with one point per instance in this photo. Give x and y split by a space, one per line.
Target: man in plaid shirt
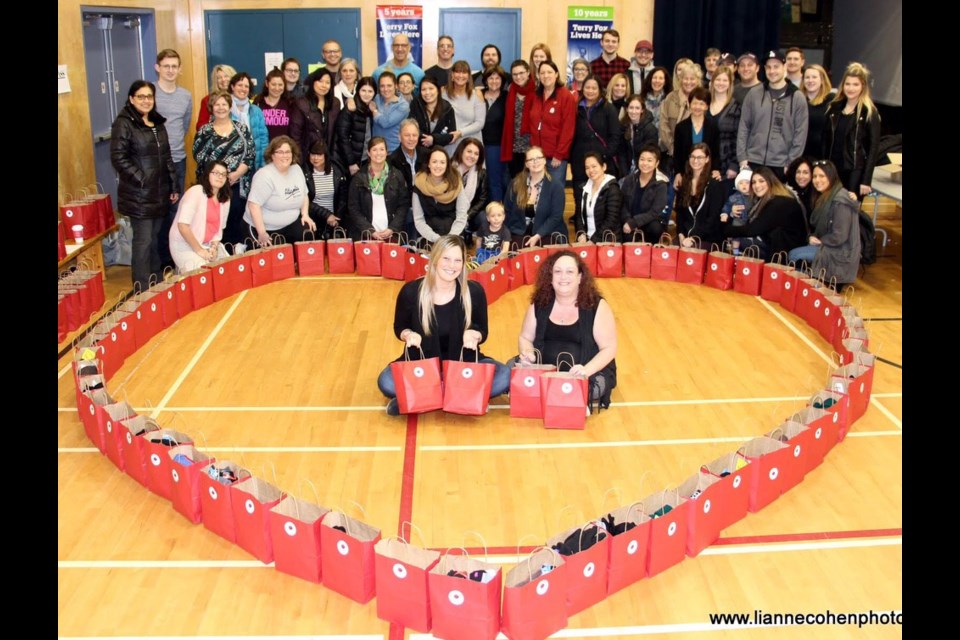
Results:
609 63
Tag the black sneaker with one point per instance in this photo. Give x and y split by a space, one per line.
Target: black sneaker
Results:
393 408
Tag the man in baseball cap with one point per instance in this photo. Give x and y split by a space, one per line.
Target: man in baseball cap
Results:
641 64
748 65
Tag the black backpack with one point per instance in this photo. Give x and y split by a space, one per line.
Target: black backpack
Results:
868 239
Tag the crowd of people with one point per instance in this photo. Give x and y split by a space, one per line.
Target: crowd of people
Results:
714 154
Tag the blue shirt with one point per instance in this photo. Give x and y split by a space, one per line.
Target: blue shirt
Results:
387 121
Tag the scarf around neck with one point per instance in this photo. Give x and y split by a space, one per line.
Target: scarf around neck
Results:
442 192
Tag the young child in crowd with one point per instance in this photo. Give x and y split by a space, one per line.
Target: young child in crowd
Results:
492 238
738 204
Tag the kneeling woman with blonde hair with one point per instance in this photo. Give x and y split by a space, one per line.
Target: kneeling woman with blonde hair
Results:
442 314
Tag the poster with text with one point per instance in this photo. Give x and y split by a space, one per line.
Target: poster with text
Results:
585 25
394 19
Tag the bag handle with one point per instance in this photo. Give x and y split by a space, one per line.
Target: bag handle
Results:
669 241
406 353
483 541
578 514
476 355
610 233
556 236
572 361
555 557
313 235
64 199
412 528
695 239
521 363
753 251
366 235
780 257
643 239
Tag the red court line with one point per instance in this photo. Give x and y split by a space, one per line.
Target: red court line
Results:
406 496
765 539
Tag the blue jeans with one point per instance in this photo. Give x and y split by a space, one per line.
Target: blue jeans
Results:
803 254
495 173
559 174
501 380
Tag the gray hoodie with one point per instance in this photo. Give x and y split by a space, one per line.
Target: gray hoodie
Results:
772 132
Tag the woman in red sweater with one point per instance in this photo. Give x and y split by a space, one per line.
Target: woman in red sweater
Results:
549 116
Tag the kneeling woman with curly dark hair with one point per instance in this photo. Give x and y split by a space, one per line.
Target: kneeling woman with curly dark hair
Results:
568 314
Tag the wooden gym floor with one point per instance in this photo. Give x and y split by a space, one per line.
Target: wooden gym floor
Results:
283 377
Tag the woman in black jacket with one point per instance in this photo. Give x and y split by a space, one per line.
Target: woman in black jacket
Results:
353 128
140 153
644 197
598 210
699 201
699 101
853 131
378 199
315 115
776 222
468 159
639 131
326 190
597 129
434 115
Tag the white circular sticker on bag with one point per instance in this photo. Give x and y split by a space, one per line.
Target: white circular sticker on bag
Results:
737 481
689 262
203 279
138 314
665 255
536 258
249 506
366 251
393 253
456 598
818 433
290 528
493 277
183 286
399 571
529 381
129 438
68 213
706 506
221 270
632 547
93 410
311 251
341 251
774 275
169 295
281 255
262 262
672 529
413 260
796 451
566 387
805 293
583 254
774 473
174 475
787 285
109 427
153 307
589 569
342 547
542 587
826 312
418 372
213 493
155 460
638 251
113 336
714 266
241 268
746 271
610 253
862 387
816 304
836 416
467 373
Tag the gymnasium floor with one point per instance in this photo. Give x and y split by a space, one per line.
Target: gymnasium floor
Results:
282 380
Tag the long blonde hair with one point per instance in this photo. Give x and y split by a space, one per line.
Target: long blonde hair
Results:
859 71
825 87
425 296
227 69
520 182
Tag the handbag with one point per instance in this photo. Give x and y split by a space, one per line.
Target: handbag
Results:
586 564
719 271
187 463
418 384
393 263
767 458
402 571
663 260
691 263
467 386
295 531
525 388
771 287
609 256
251 502
535 596
748 272
340 253
637 256
668 530
587 251
463 607
216 499
283 259
348 557
628 546
310 255
368 255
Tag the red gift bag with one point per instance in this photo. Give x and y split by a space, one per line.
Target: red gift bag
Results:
417 383
492 279
808 291
393 263
216 499
80 220
587 251
71 308
729 495
340 252
791 285
133 447
283 263
183 296
691 264
558 242
125 329
155 447
93 400
61 241
186 465
418 261
838 406
261 267
748 272
668 530
767 458
231 276
806 452
201 287
92 279
532 258
824 320
295 532
586 567
113 415
251 502
102 339
462 607
563 400
719 271
401 576
628 550
535 597
636 257
368 256
609 256
310 256
771 287
824 430
663 260
104 205
166 299
347 557
517 277
703 521
525 389
62 329
467 386
856 381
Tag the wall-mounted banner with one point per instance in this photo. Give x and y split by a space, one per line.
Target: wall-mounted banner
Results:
584 27
393 19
